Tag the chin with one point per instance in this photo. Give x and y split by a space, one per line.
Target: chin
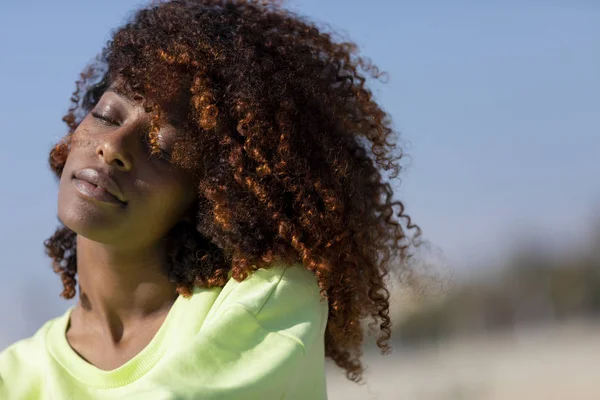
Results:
88 219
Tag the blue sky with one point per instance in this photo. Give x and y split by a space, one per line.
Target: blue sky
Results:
498 105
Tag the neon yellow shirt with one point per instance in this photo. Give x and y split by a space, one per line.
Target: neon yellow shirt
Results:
262 338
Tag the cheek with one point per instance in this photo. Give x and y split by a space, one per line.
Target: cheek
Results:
171 198
64 184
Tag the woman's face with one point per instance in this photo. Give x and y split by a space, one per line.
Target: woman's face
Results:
111 189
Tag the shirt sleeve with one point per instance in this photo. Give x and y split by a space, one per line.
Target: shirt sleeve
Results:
264 341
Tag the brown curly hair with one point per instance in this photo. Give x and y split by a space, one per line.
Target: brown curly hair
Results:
297 145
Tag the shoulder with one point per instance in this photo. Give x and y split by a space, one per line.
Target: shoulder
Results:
21 350
22 363
282 298
262 338
267 284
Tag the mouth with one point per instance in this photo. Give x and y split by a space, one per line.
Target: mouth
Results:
98 186
95 192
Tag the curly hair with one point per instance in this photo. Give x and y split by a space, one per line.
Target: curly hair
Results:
298 146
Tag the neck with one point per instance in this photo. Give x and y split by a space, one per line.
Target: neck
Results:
118 286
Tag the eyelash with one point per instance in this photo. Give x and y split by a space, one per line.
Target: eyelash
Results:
104 119
163 154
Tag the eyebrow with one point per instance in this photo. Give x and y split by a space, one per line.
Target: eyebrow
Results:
170 119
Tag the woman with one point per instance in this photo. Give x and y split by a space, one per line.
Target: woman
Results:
225 221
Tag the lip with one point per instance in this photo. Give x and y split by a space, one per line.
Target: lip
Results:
99 185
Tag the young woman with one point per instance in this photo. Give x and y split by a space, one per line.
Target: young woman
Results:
226 224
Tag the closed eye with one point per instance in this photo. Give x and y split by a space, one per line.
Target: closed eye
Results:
105 119
165 155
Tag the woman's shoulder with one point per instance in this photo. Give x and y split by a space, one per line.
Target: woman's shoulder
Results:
282 297
30 348
283 284
262 338
29 345
24 359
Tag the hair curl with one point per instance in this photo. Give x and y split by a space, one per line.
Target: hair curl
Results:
299 146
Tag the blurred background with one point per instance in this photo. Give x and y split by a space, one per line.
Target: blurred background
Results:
498 107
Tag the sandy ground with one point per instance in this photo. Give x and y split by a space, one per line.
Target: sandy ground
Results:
546 363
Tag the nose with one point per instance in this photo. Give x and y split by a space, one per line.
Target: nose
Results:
116 149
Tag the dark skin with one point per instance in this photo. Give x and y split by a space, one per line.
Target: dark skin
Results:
121 252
